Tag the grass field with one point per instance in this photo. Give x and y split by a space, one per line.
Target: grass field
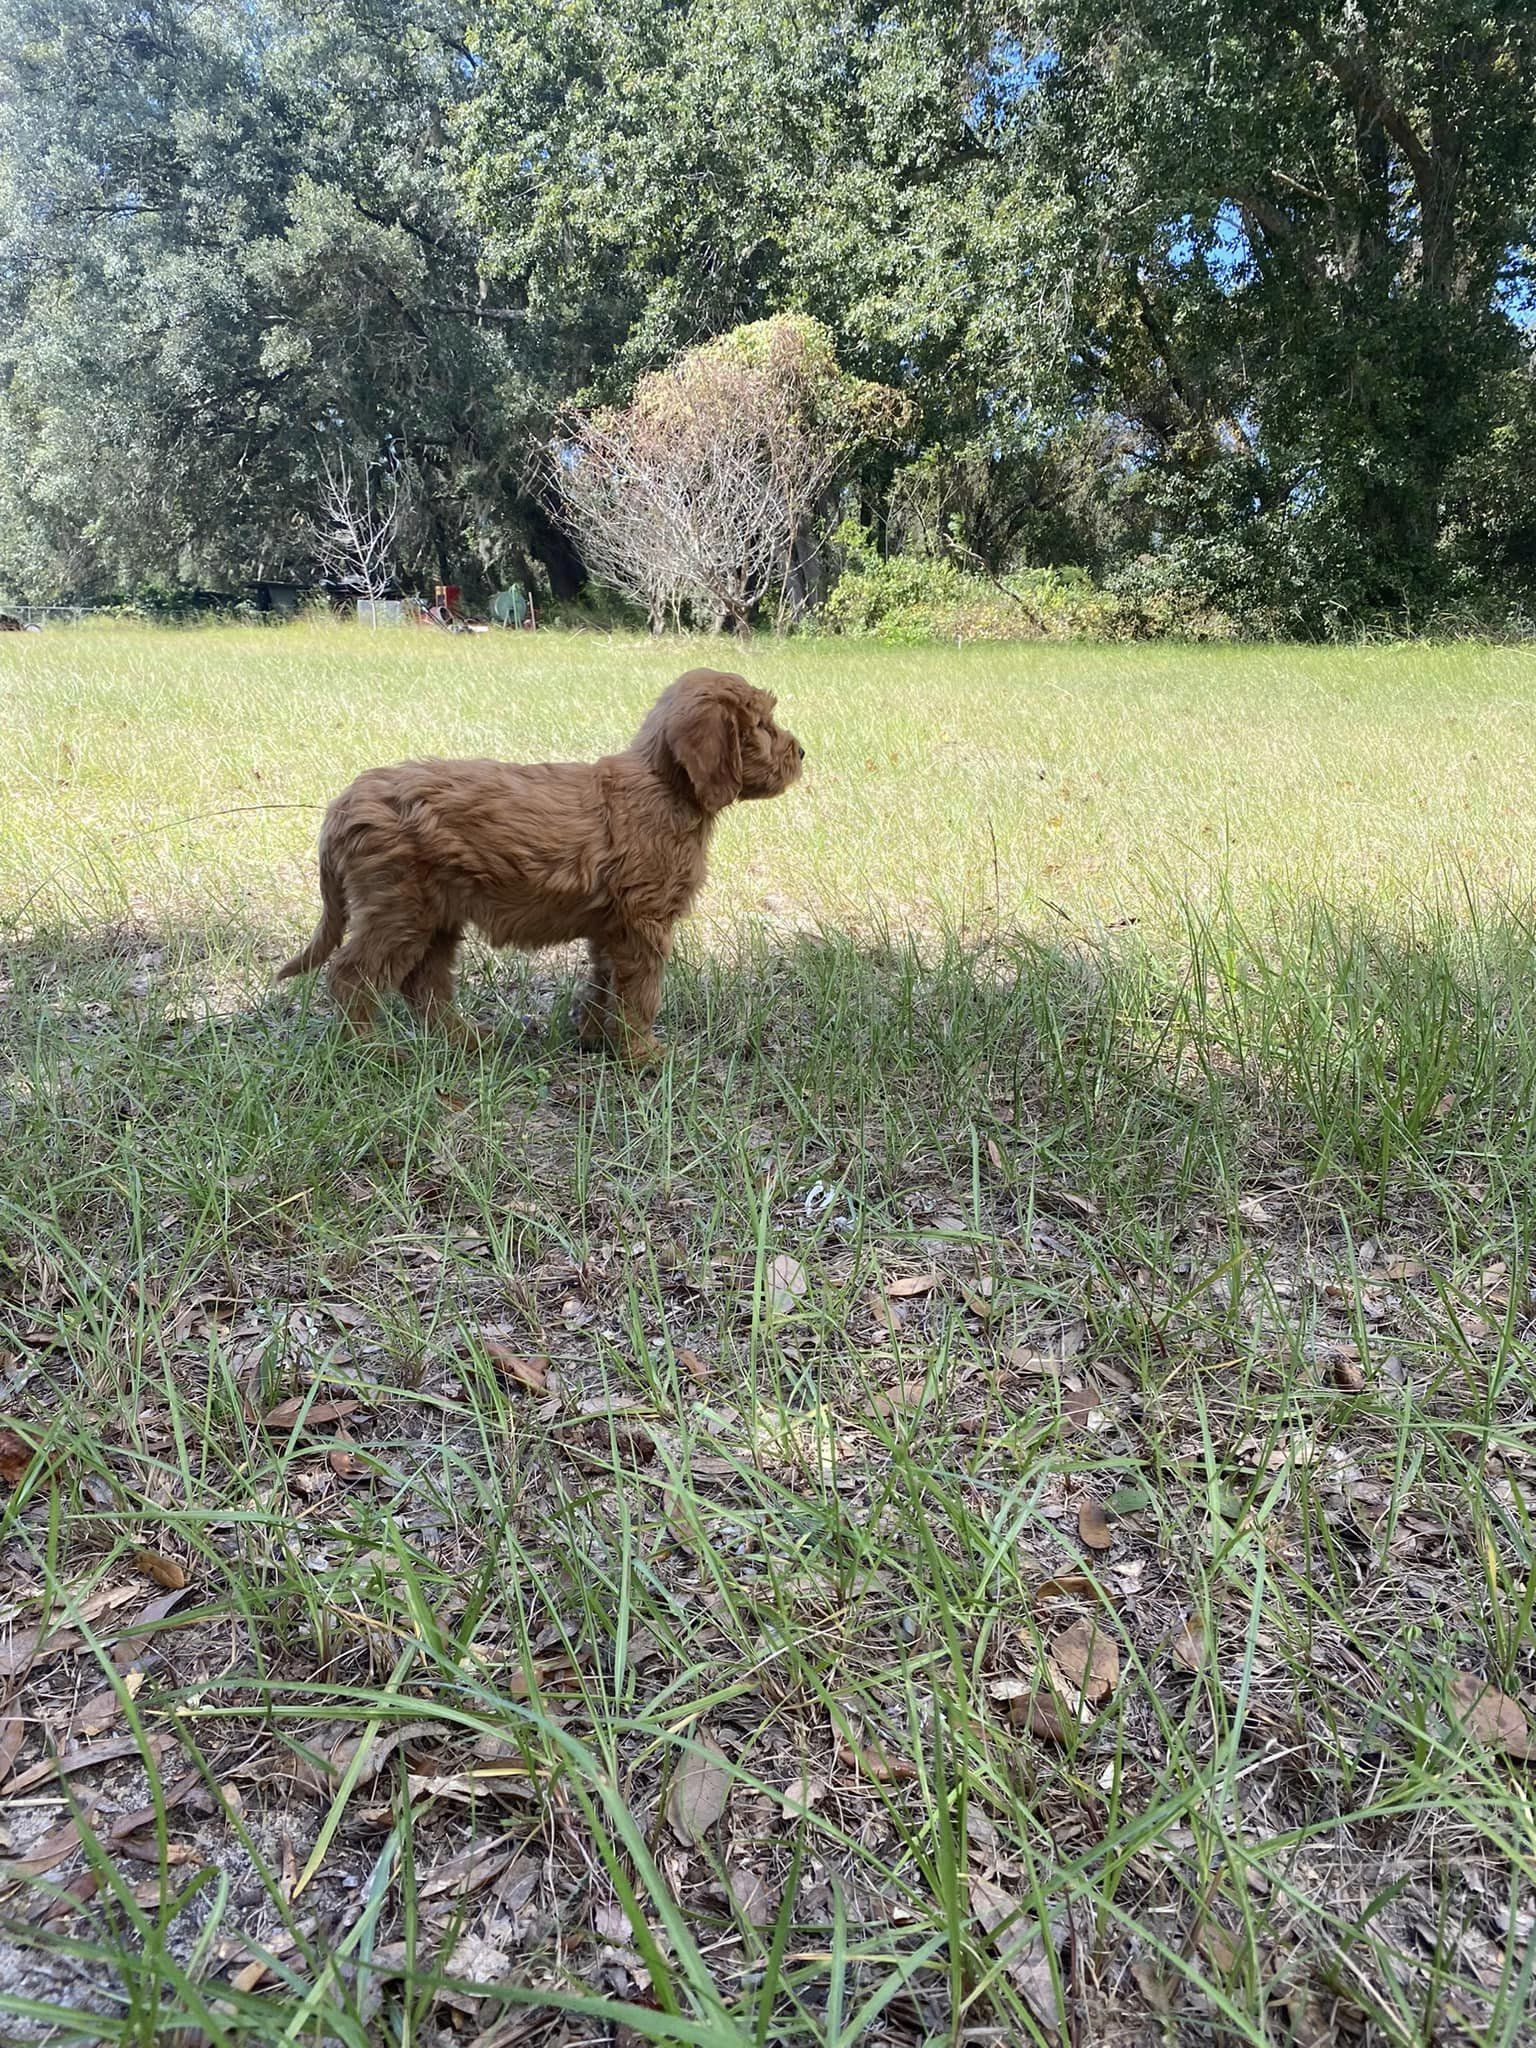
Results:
988 1499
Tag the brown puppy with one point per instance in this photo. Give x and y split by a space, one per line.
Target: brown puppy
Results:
612 852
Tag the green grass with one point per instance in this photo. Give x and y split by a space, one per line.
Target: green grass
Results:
1218 1219
1060 786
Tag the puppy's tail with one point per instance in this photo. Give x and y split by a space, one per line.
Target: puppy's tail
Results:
333 920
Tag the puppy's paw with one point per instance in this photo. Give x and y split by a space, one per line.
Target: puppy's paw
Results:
592 1031
461 1030
638 1050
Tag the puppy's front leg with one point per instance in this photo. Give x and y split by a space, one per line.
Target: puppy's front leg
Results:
637 972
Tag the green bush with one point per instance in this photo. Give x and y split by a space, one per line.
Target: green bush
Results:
908 599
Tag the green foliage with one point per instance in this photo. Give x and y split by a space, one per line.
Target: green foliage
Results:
231 235
1228 304
1296 281
906 599
649 175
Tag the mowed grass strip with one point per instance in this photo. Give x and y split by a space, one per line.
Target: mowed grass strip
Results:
990 1494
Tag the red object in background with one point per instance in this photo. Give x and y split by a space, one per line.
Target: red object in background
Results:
447 595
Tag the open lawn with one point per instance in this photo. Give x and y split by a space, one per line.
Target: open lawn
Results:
990 1495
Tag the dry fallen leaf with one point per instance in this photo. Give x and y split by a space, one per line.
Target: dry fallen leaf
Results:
909 1285
554 1672
16 1456
19 1653
610 1923
1492 1716
1093 1526
1218 1946
1189 1643
787 1284
13 1733
801 1795
85 1758
753 1899
165 1571
477 1961
130 1645
1039 1709
1087 1660
900 1400
531 1373
871 1761
287 1414
699 1792
379 1750
1061 1201
1019 1943
507 1782
694 1366
1309 2026
1068 1586
128 1824
1082 1408
43 1855
1049 1350
460 1876
1160 1992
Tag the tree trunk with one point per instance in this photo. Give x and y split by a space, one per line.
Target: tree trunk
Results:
551 547
797 581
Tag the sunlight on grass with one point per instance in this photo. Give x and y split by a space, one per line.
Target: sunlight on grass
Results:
1035 787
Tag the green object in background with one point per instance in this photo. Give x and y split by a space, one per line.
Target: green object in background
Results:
510 607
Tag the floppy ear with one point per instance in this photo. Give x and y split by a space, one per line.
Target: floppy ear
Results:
704 733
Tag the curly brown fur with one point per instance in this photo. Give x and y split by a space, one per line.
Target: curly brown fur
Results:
612 852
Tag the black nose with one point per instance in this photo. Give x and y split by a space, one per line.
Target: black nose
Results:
799 750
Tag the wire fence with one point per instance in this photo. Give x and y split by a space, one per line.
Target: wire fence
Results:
47 614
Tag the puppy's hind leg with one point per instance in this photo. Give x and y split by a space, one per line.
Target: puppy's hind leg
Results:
353 992
376 959
593 1008
428 988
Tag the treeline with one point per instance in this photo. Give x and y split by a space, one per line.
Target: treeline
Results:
1219 313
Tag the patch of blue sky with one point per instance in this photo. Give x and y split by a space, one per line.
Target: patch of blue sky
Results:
1221 244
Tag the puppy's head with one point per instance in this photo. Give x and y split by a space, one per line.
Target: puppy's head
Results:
718 733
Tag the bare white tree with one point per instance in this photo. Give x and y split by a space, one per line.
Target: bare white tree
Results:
704 492
355 531
619 498
678 505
